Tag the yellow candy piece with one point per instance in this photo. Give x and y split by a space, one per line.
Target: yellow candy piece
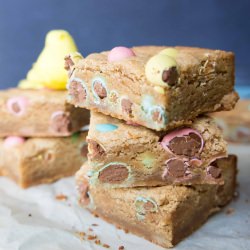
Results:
155 67
48 71
169 52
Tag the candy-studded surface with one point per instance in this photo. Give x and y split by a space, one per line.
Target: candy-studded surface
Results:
128 155
164 215
34 161
157 87
39 113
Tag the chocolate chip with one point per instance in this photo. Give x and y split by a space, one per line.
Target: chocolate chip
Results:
95 149
100 90
214 170
114 174
170 76
68 63
61 123
84 150
15 107
174 168
77 91
188 145
126 106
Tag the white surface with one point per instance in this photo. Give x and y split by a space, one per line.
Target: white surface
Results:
52 223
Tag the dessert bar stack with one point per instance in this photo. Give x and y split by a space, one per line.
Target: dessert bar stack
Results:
40 139
157 166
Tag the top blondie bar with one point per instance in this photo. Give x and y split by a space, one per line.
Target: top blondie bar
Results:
156 87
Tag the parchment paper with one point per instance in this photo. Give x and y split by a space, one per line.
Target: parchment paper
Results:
34 219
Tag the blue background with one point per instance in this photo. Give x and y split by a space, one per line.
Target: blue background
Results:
100 25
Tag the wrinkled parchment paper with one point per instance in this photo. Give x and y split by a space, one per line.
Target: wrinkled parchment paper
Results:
34 219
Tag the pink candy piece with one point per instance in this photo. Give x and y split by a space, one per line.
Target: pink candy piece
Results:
179 133
17 105
120 53
13 141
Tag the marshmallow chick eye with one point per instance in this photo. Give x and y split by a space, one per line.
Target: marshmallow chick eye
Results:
161 70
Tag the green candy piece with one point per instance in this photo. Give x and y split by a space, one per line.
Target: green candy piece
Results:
75 137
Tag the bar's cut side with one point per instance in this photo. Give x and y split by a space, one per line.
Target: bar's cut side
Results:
122 155
157 87
236 123
39 113
41 160
163 215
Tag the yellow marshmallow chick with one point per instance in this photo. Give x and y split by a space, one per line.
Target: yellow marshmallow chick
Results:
48 71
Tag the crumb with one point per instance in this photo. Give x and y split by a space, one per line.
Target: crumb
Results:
30 215
90 229
96 215
97 242
92 237
80 235
94 225
61 197
126 231
230 211
106 245
236 195
121 248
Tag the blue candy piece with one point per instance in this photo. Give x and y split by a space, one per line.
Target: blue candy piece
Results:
106 127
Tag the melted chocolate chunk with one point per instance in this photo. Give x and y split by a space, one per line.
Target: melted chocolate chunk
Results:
170 76
175 168
126 106
84 191
15 107
148 206
114 174
100 90
214 170
95 149
157 116
61 123
77 91
188 145
68 63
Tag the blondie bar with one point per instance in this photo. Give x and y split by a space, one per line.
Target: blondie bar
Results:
34 161
39 113
157 87
164 215
122 155
236 123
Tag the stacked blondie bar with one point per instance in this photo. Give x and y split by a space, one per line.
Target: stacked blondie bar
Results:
39 134
41 139
157 166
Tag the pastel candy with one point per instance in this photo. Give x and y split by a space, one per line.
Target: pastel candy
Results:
161 70
120 53
17 105
186 141
106 127
13 141
169 52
